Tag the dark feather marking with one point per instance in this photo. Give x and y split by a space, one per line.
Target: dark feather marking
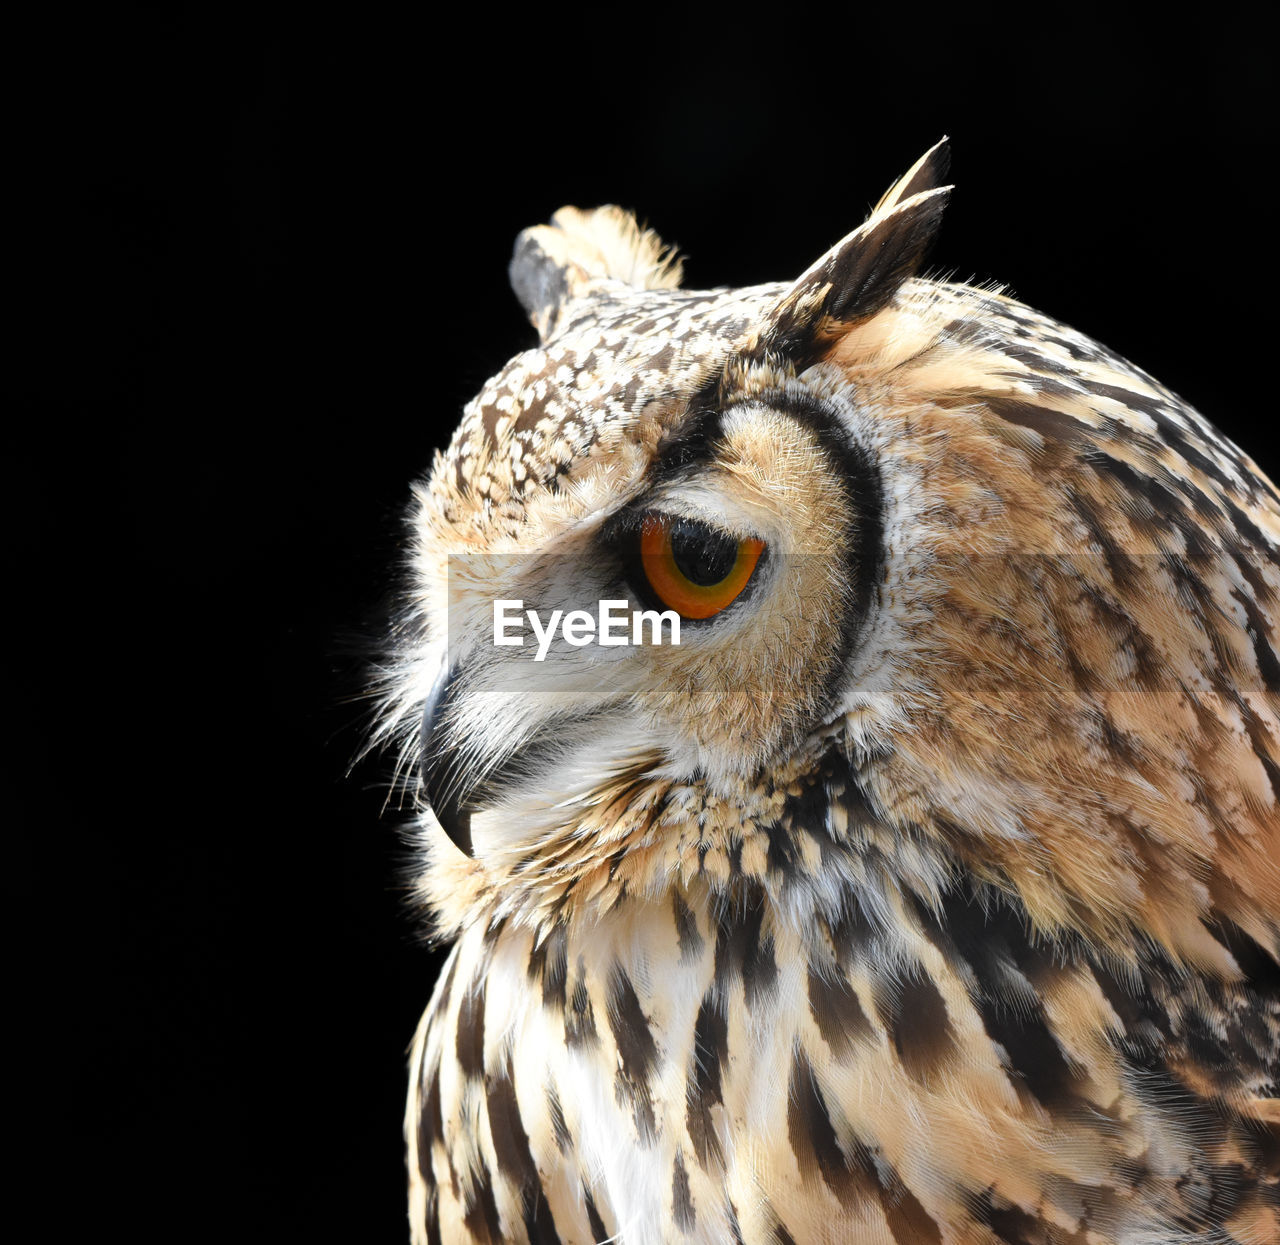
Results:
1212 1195
1197 600
637 1052
1273 774
853 795
735 856
1251 573
1221 1051
539 1223
908 1220
630 1028
681 1199
548 964
534 410
1051 424
1009 1223
1145 1023
1076 350
480 1214
781 1236
432 1216
830 780
1259 967
1208 506
580 1020
1170 1022
850 1177
994 940
731 1214
663 358
687 936
1252 533
1153 508
616 859
738 930
914 1013
852 932
837 1012
1032 358
1150 671
1260 1149
1138 493
703 1088
445 989
599 1232
1117 743
759 967
559 1129
506 1128
1264 654
1175 436
1202 550
469 1043
1032 1050
430 1128
1259 737
805 811
781 855
964 332
1084 677
1120 565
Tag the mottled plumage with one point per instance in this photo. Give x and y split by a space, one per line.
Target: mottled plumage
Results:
931 892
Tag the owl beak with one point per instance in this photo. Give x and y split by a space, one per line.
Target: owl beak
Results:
440 779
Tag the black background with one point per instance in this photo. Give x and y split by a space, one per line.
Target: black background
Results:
270 268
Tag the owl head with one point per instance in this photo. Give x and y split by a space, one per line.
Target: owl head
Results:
958 591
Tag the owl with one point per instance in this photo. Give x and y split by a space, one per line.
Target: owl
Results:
928 888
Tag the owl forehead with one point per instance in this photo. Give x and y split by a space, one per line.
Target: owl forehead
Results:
616 355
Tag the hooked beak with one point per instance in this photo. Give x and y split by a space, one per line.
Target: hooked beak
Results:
440 779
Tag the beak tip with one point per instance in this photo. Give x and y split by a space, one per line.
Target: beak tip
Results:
453 819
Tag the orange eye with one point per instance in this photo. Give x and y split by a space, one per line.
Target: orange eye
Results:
694 569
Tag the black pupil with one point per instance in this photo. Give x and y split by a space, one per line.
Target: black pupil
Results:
703 557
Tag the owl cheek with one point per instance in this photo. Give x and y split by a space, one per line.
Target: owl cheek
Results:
499 767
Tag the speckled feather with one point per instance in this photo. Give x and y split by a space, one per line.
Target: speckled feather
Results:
935 895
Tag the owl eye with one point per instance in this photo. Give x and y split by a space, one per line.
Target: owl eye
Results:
692 568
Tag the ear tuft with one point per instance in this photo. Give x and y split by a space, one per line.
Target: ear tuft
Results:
928 173
860 275
554 264
609 243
